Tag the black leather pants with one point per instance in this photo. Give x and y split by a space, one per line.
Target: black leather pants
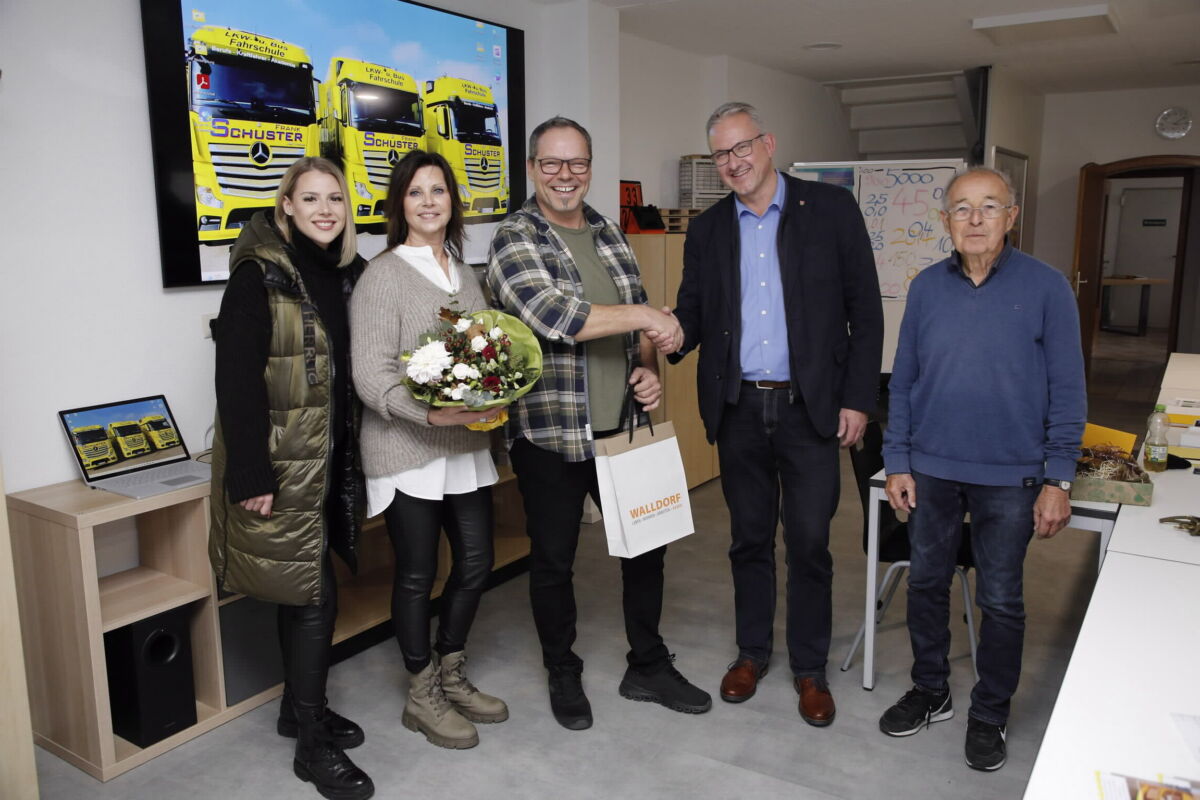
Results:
414 526
305 638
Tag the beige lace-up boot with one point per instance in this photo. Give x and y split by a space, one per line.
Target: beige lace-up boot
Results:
470 702
429 712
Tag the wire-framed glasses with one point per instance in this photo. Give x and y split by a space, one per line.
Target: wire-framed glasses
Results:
962 212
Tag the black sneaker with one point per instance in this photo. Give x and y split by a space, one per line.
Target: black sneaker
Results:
567 700
985 748
665 687
918 709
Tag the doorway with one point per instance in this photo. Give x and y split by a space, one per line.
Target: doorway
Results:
1127 248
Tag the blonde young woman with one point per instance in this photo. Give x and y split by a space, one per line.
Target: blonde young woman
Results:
425 470
286 489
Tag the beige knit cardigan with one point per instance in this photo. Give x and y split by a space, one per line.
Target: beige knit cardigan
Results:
392 305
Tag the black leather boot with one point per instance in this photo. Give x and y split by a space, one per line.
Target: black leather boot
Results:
320 761
345 734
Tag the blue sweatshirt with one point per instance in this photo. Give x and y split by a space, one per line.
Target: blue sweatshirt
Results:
988 384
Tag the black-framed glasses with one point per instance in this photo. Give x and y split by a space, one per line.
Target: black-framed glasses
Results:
552 166
741 150
963 212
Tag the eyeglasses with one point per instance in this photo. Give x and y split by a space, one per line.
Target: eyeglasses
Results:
552 166
741 150
962 213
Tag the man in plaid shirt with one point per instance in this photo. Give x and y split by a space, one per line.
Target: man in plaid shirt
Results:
570 275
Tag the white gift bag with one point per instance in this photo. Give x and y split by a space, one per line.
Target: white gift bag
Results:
643 490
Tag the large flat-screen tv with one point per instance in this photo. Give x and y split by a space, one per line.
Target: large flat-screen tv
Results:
240 90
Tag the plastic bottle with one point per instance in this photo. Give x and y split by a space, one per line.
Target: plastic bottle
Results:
1154 454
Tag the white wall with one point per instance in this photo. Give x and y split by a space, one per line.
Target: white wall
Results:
664 101
808 122
667 94
83 317
1014 122
1097 127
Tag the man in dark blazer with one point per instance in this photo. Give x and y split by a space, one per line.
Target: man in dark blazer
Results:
781 295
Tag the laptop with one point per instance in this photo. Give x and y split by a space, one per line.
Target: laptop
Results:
132 448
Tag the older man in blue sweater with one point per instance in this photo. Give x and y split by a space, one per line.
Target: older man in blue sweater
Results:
987 409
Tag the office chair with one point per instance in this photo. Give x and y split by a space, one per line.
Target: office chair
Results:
894 546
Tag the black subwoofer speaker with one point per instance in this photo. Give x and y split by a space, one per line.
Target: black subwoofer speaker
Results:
150 685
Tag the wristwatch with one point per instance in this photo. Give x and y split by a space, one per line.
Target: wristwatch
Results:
1064 485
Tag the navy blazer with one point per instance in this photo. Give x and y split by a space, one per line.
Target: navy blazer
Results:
831 300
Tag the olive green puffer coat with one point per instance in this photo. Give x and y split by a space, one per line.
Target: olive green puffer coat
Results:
278 558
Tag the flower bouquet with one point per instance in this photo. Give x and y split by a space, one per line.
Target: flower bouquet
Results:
486 359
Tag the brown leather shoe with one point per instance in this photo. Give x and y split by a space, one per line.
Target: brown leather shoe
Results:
741 681
816 703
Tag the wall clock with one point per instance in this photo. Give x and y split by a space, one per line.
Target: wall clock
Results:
1173 123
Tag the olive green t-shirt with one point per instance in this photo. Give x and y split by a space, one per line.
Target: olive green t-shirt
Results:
606 367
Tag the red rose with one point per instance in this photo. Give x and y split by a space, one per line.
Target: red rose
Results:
492 383
489 353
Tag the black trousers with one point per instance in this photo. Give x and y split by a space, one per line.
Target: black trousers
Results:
305 639
414 525
553 491
769 450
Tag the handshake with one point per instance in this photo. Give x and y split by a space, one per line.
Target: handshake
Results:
663 329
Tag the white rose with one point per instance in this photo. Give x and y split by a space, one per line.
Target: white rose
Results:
428 362
446 391
457 393
478 343
496 333
462 324
473 373
461 371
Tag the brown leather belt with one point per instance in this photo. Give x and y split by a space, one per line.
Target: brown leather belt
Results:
768 384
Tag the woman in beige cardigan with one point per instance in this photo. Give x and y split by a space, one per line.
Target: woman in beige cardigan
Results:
425 470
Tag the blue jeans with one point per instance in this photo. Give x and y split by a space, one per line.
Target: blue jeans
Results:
771 459
1001 527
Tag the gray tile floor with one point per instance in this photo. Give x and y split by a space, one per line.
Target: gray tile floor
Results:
760 748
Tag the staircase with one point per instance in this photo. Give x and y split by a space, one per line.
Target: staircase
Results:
939 115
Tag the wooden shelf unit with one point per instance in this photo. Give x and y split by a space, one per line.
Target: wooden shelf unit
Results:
660 257
65 609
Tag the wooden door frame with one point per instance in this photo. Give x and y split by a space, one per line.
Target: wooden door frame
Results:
1089 234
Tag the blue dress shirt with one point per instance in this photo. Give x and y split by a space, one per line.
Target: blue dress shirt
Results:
764 349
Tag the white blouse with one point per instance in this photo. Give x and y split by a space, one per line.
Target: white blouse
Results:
454 474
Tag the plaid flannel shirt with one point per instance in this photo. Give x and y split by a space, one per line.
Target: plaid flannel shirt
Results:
532 275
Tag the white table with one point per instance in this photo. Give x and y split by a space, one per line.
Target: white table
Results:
1086 515
1138 531
1183 370
1134 664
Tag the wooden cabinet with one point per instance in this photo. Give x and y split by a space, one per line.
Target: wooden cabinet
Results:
18 772
66 607
660 257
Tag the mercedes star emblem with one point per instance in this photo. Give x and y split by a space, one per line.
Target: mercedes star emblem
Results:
259 153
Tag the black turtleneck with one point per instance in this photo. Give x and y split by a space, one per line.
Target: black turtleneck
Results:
243 345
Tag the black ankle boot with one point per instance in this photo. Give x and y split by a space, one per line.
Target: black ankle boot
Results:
345 734
320 761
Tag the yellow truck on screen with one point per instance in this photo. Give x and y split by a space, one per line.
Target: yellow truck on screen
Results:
370 118
252 114
158 432
91 442
127 438
462 123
